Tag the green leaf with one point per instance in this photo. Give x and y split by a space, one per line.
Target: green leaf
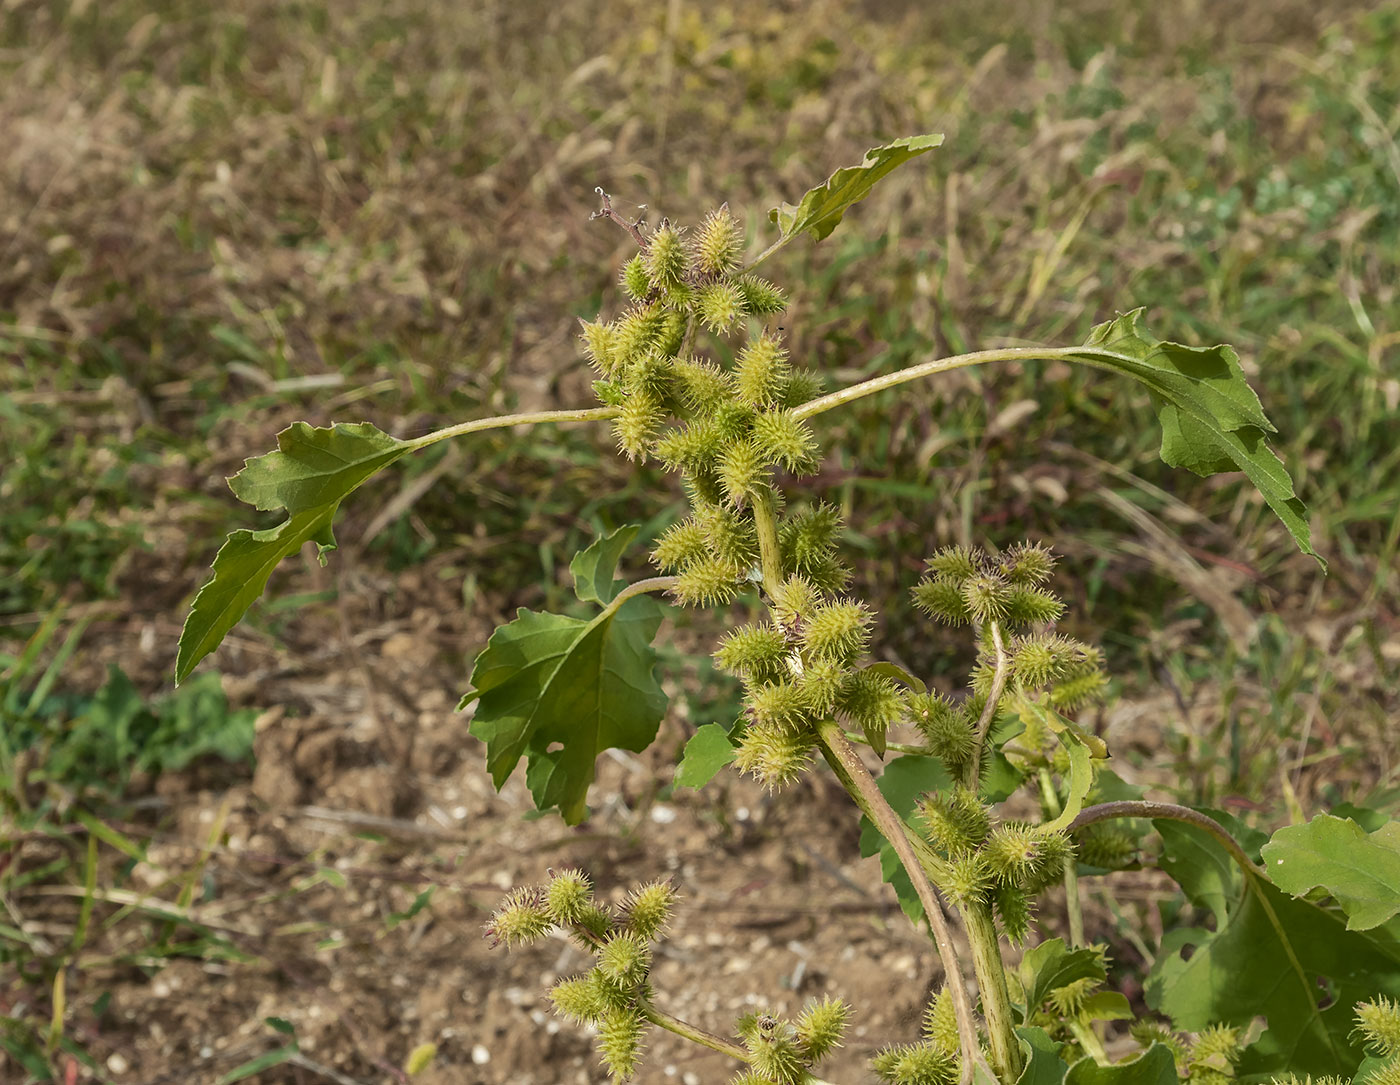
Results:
1207 874
1155 1066
898 674
593 568
558 691
421 901
1211 419
982 1073
1107 1006
1031 709
1081 778
1000 779
1052 965
902 783
1360 871
821 209
257 1065
1289 961
309 475
708 751
1043 1063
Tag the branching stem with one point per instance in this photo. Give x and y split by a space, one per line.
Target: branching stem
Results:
989 710
895 747
861 786
693 1033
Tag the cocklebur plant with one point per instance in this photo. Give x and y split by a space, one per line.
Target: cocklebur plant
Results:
1302 930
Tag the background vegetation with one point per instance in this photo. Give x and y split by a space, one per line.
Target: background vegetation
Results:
215 219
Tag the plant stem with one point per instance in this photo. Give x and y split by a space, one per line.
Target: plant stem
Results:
1089 1040
1169 811
641 587
861 786
1073 912
989 710
607 212
940 365
765 522
501 421
691 1032
897 747
698 1035
991 984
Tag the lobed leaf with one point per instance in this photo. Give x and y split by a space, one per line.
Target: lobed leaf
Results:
1360 871
1211 419
1290 961
593 569
821 209
1155 1066
312 471
558 691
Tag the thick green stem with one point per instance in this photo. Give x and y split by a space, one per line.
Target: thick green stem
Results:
1089 1040
765 522
861 786
991 983
1073 911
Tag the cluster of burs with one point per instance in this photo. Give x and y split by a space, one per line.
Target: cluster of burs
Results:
614 996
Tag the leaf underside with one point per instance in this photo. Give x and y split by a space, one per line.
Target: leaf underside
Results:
821 209
312 471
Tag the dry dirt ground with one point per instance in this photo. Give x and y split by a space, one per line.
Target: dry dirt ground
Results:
367 791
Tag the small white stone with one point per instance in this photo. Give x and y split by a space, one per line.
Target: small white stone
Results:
117 1063
206 1052
480 1055
663 815
690 1077
741 814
